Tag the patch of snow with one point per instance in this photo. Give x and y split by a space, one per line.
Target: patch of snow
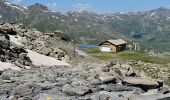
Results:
152 14
54 16
118 18
76 20
0 16
65 14
7 3
39 59
122 12
16 40
46 11
81 53
62 20
168 18
4 65
15 7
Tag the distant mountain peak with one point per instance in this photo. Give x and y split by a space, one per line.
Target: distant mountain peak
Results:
38 6
162 9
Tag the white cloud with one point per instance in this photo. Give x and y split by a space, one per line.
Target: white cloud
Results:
81 7
52 6
16 1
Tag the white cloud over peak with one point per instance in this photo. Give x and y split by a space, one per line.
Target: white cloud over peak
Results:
81 7
52 6
16 1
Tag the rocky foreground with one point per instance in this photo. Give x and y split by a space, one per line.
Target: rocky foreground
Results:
33 67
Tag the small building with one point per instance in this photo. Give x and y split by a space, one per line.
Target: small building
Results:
113 45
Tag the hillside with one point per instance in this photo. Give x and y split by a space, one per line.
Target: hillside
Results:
150 28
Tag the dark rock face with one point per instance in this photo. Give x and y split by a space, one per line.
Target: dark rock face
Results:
8 51
18 50
4 43
62 35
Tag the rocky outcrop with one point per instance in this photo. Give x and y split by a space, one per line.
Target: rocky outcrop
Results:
62 35
10 52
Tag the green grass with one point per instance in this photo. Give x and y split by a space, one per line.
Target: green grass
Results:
142 56
128 55
99 55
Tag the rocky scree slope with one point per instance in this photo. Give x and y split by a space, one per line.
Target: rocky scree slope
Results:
83 80
17 44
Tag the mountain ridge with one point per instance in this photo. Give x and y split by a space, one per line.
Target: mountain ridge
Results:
88 27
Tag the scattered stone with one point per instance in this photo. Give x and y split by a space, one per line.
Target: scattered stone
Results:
104 95
23 91
46 51
45 96
107 79
75 91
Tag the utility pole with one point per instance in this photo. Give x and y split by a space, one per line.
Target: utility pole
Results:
138 47
136 44
130 47
74 48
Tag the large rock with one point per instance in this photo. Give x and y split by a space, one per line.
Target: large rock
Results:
150 97
4 43
28 34
131 72
26 90
36 32
18 50
2 31
121 88
62 35
46 51
143 83
8 29
57 50
107 78
75 90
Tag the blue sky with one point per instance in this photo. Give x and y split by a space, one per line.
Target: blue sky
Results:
98 6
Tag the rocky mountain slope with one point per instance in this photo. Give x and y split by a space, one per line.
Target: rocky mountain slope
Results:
34 66
151 28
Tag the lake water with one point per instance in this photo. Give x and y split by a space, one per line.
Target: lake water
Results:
86 46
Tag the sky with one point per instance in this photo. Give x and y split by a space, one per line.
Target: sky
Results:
98 6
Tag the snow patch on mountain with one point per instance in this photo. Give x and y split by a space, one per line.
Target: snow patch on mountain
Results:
23 9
